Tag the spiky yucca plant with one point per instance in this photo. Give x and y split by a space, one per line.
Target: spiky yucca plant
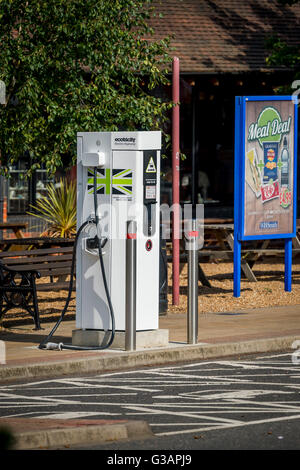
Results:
58 209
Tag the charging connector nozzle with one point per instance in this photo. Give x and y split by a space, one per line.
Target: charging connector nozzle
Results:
55 346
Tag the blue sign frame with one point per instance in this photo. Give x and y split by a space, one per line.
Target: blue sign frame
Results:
239 188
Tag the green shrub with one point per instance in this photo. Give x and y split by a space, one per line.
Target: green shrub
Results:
58 209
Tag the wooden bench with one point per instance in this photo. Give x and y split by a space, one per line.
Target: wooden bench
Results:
19 271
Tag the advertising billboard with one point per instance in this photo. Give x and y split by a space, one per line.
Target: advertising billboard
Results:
266 167
265 175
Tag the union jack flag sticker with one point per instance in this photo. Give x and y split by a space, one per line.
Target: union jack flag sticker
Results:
117 182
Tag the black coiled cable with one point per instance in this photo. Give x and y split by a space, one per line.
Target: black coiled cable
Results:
43 344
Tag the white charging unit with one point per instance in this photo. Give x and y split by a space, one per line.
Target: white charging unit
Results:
128 188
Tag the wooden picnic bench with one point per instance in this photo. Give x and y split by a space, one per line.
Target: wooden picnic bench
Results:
16 227
25 243
20 270
249 257
219 242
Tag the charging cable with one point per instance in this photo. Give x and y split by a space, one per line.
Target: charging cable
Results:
45 344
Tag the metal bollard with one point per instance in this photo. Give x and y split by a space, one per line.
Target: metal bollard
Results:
130 320
192 248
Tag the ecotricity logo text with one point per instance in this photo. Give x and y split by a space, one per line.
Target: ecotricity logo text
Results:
125 140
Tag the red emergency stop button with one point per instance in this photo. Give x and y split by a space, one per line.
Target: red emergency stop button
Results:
148 245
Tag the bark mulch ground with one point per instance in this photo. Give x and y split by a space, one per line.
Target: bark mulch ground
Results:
268 291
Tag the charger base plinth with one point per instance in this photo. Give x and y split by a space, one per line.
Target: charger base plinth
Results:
99 338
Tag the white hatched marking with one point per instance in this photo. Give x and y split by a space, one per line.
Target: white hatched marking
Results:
146 409
119 387
204 396
74 415
251 423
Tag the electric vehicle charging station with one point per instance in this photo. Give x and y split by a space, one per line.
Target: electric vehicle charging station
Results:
126 169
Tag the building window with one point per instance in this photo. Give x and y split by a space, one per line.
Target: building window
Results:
18 189
22 191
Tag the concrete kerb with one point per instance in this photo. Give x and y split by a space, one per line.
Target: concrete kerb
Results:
156 357
90 434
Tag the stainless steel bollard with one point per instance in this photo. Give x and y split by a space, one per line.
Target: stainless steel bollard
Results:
192 249
130 320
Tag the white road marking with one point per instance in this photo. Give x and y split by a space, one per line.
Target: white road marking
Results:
249 423
119 387
74 415
192 398
184 414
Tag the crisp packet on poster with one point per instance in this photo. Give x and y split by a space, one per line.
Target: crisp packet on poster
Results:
270 162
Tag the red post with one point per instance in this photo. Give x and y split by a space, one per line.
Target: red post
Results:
176 181
73 173
4 214
5 209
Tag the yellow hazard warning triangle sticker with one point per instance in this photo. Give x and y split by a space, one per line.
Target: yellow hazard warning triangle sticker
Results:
151 166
